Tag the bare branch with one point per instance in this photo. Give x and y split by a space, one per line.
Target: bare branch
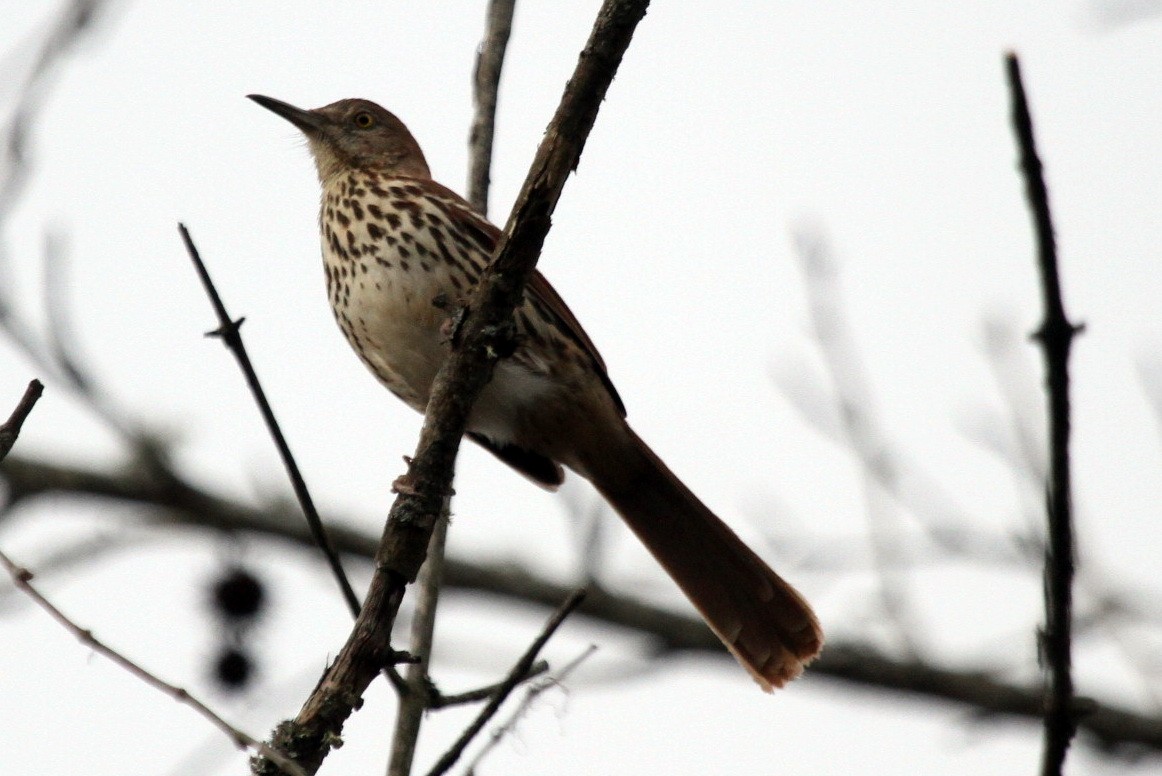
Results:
22 578
485 88
415 695
483 693
11 428
418 694
1056 337
531 694
229 330
670 632
518 674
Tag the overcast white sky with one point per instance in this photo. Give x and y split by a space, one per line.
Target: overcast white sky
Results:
729 124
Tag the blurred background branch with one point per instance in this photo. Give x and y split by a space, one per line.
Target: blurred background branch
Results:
670 633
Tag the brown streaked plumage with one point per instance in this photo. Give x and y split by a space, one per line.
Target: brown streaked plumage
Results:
397 248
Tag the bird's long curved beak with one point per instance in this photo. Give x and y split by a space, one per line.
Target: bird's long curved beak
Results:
309 122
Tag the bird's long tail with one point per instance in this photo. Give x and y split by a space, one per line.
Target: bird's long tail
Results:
760 618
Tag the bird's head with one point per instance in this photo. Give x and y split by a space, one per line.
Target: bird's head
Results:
354 135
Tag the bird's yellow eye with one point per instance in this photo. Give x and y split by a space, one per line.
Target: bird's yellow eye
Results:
363 119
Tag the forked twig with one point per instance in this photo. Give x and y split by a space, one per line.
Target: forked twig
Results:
534 691
482 693
517 675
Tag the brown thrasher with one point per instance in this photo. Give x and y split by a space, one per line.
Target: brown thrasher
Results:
397 247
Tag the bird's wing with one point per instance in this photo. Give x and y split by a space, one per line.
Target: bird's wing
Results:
539 289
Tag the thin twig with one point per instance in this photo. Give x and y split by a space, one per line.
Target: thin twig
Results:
486 332
22 578
414 699
418 694
1056 337
11 428
534 691
485 88
229 330
518 674
482 693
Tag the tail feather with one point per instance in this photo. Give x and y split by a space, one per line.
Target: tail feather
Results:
760 618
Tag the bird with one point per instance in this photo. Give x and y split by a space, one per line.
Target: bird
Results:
401 252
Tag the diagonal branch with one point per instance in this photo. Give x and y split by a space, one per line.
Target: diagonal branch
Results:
534 691
486 333
1056 337
520 671
229 331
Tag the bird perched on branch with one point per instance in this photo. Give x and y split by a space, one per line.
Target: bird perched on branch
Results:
397 246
